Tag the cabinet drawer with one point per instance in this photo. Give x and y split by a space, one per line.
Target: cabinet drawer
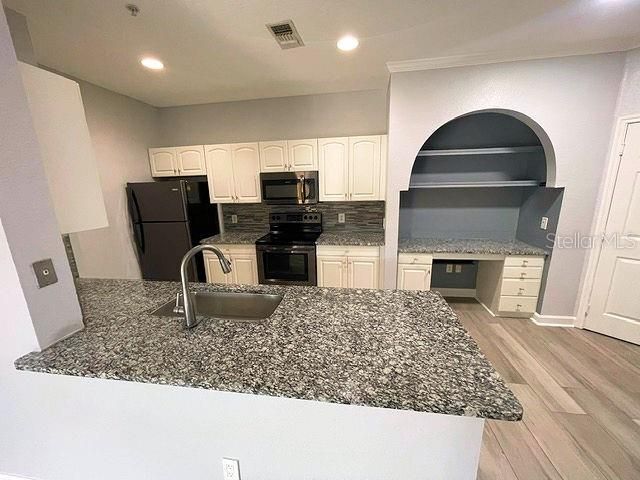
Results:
520 287
522 261
233 250
518 304
415 259
522 272
347 251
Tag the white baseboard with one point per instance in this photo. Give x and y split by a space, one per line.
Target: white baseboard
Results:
456 292
485 307
553 320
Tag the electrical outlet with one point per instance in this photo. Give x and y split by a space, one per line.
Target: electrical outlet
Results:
342 218
544 222
234 218
45 272
449 268
230 469
458 268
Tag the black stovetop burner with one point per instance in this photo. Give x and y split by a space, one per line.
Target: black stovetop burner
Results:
293 228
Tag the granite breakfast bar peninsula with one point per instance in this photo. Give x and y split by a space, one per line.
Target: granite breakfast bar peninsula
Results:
334 376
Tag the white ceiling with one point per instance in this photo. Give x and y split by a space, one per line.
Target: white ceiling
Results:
220 50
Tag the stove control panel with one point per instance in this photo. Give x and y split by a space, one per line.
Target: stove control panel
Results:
296 217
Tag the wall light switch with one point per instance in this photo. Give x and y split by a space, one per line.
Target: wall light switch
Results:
45 273
342 218
230 469
449 268
234 218
544 222
458 268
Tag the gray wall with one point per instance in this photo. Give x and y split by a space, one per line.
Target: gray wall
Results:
121 130
460 213
536 204
26 209
308 116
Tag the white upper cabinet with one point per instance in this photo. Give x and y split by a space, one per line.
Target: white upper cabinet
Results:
163 162
190 160
303 154
245 159
364 168
333 159
220 173
352 168
274 156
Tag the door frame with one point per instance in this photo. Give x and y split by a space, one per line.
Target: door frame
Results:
602 215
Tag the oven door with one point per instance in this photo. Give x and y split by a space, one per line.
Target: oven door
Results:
286 265
289 188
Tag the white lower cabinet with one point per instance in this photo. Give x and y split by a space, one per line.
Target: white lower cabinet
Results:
414 272
244 265
348 267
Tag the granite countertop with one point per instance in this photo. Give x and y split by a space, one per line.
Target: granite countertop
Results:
235 237
362 238
380 348
481 246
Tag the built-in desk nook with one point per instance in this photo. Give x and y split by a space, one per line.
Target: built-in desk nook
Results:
478 219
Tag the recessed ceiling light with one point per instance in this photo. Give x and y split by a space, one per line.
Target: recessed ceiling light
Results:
152 63
347 43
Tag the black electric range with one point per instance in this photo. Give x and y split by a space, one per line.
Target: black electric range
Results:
287 254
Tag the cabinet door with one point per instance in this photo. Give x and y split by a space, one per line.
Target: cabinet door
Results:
220 173
414 277
244 268
332 271
246 172
303 154
333 160
274 156
190 160
213 270
364 168
363 272
163 162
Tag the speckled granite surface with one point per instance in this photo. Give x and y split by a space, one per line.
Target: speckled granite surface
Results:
362 238
444 245
235 237
380 348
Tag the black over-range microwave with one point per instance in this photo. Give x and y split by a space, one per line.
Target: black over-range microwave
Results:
289 188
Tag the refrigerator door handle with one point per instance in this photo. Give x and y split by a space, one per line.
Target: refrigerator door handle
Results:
138 235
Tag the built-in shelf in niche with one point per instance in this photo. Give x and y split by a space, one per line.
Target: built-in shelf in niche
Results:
497 184
479 151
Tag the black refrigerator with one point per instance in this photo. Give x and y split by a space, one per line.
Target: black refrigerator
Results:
168 218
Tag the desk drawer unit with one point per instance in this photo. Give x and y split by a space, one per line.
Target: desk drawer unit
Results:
520 287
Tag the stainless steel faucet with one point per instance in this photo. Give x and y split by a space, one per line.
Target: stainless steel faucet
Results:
189 309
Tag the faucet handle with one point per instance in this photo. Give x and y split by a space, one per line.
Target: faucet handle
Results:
178 308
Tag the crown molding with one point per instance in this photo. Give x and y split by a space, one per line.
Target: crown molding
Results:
435 63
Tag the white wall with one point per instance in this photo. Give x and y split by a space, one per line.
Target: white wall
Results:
121 130
573 99
26 210
629 100
307 116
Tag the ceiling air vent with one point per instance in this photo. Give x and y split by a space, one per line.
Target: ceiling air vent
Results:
285 34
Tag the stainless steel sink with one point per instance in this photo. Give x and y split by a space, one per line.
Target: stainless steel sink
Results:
239 307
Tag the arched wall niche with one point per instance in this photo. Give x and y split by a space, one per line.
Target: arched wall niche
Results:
513 129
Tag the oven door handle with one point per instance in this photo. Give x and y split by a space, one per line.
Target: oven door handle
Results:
288 249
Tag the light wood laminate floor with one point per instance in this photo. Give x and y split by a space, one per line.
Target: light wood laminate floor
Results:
581 397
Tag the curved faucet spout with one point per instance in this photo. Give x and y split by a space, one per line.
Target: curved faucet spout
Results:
189 309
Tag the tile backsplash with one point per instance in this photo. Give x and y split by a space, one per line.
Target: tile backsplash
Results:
367 216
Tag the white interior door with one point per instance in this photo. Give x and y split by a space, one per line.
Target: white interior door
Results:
246 172
333 162
364 168
219 173
191 160
615 298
